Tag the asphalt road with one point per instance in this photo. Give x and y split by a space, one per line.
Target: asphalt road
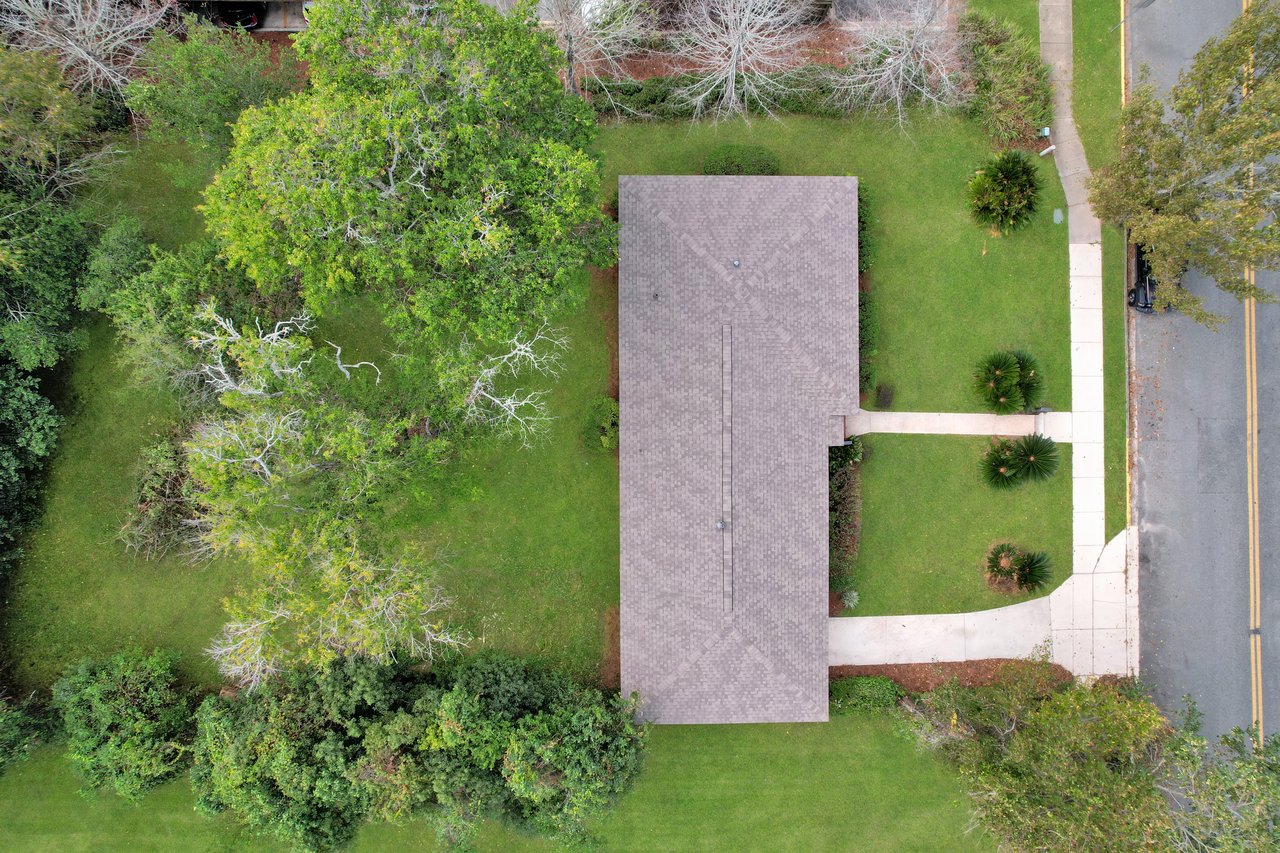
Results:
1191 475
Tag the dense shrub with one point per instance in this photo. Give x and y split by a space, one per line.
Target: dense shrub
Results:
735 159
884 395
17 733
843 512
997 465
866 229
312 755
864 693
1012 98
868 343
1004 192
127 720
601 427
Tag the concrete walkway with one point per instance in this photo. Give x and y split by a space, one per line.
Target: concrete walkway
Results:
1056 425
1090 622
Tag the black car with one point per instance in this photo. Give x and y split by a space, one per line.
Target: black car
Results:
1142 296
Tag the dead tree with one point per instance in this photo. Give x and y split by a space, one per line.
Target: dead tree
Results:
597 35
738 50
96 42
908 54
516 412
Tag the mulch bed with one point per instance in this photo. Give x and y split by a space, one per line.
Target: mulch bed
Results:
923 677
610 671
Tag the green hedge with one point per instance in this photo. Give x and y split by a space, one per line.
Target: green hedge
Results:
864 693
734 159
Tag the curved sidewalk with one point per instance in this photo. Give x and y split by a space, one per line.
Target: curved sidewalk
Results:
1091 620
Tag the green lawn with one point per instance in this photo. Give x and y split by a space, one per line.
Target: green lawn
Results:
852 783
1096 57
928 520
947 292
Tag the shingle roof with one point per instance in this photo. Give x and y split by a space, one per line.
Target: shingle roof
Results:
733 379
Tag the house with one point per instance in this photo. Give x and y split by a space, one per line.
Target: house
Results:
738 312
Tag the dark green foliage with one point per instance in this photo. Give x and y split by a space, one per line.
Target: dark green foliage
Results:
601 427
996 381
28 431
127 720
312 755
165 504
1030 379
866 230
1002 561
864 693
998 468
1032 570
844 508
1035 457
18 732
1012 97
868 343
42 254
734 159
120 254
1004 192
194 88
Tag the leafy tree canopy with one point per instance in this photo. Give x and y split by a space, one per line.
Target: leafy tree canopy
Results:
1196 181
437 161
320 750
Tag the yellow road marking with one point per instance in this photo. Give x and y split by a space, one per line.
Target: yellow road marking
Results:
1251 466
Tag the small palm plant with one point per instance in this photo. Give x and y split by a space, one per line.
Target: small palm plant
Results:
1034 457
997 382
1030 380
998 467
1004 192
1031 570
1002 561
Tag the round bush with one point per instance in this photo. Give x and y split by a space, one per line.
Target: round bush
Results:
998 468
1005 191
864 693
735 159
601 427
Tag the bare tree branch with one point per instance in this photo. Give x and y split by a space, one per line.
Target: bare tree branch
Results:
908 54
597 35
738 49
96 42
518 413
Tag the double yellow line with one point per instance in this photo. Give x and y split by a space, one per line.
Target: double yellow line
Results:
1251 466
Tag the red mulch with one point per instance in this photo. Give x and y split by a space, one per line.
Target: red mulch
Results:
835 604
923 677
610 671
604 285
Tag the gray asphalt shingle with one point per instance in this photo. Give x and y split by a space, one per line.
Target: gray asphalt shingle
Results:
733 380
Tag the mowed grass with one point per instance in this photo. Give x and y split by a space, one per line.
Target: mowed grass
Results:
853 783
78 592
928 521
947 292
